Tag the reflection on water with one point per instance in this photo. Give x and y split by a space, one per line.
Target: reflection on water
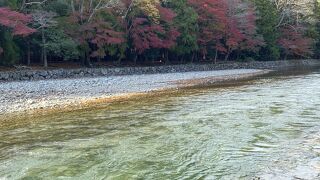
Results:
268 129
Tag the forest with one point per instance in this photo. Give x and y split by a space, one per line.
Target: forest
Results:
133 32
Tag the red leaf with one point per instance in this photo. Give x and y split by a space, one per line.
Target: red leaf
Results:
15 21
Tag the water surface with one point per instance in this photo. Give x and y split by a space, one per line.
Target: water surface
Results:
266 128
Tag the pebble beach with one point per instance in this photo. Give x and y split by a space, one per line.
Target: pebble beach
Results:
30 96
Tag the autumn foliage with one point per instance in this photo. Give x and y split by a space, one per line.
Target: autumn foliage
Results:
227 26
212 20
96 33
294 43
147 34
16 21
148 30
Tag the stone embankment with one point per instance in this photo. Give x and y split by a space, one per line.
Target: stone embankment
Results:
22 75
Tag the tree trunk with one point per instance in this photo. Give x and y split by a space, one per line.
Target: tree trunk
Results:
193 56
23 4
81 10
28 55
238 55
182 59
286 56
145 59
166 56
72 7
196 57
44 50
204 57
118 61
82 60
227 56
87 60
135 59
215 57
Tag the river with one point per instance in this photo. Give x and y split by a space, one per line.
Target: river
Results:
266 128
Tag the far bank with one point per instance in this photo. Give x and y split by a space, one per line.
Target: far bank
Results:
25 74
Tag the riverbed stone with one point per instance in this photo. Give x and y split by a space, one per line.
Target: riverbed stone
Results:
4 76
96 72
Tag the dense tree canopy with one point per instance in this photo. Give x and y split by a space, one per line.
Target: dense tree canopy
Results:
149 31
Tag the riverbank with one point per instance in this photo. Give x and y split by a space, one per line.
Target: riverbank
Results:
37 97
25 74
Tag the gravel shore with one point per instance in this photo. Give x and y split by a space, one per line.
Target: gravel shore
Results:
31 96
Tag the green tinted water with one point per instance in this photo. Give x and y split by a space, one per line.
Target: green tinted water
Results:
267 128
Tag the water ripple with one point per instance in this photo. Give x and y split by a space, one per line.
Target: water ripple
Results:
269 130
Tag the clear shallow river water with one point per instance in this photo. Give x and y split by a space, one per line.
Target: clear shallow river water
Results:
267 128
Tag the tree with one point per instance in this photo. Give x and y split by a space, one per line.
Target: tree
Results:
12 4
60 45
60 7
233 35
186 23
226 26
295 43
212 20
296 12
267 27
316 34
93 32
253 40
295 17
44 20
15 21
17 24
148 33
149 8
241 29
162 30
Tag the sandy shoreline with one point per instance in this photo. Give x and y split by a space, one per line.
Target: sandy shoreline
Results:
34 97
